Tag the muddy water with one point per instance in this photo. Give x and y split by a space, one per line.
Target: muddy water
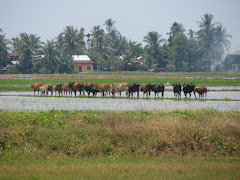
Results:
55 103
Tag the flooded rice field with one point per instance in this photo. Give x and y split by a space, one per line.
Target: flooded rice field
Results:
232 95
16 101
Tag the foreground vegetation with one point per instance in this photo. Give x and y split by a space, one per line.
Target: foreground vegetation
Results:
98 144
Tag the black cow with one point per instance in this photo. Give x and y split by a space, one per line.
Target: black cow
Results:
189 88
90 88
177 88
133 87
158 88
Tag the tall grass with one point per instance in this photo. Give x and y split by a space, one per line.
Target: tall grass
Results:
120 134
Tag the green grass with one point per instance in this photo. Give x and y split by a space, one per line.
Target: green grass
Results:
180 144
121 168
22 82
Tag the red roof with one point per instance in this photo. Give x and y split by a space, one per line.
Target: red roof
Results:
235 53
84 62
13 54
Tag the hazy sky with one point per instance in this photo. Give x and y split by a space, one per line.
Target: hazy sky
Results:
134 18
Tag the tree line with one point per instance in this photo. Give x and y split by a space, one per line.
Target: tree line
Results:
183 51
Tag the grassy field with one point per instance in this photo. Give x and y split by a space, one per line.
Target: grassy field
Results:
22 82
122 168
196 144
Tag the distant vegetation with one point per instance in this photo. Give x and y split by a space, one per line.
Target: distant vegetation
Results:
183 51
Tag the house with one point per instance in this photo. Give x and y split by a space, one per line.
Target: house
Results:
14 58
236 63
83 63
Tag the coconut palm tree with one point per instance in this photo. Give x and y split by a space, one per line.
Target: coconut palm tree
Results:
4 56
100 47
109 23
221 42
71 41
50 53
154 41
27 46
213 38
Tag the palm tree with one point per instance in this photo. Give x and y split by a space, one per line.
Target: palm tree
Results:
100 47
109 23
212 36
27 46
71 41
191 33
221 42
154 41
50 56
175 29
4 56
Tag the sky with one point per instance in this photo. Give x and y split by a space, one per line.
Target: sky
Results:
133 18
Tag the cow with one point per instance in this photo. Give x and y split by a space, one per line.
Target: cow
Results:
118 88
36 87
68 87
131 88
177 89
113 91
44 89
58 88
188 89
147 88
89 88
158 88
201 91
78 86
50 88
102 88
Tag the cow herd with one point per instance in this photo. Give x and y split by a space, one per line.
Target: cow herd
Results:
114 88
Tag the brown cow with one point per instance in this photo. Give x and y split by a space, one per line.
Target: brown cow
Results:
119 87
102 88
78 86
44 89
68 87
147 88
36 87
50 88
58 88
201 91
